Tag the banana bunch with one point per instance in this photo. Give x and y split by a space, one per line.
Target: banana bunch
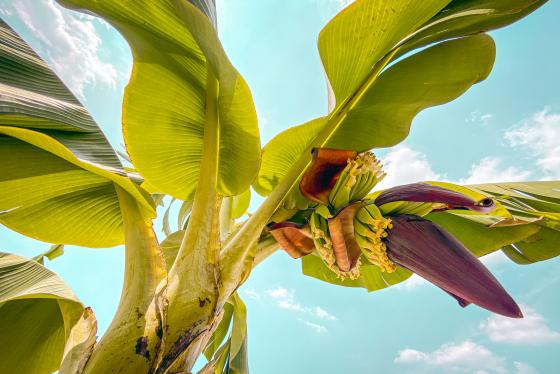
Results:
370 228
357 179
321 238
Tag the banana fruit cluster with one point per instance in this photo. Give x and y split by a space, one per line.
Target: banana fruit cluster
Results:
369 229
324 246
357 179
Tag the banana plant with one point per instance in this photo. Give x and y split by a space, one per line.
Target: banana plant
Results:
191 133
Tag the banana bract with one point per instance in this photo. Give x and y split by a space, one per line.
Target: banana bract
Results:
348 229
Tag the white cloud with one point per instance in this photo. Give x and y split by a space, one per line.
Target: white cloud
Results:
523 368
478 117
343 3
494 258
279 293
315 327
323 314
404 165
5 12
285 299
532 329
327 9
411 283
489 170
263 119
70 42
252 294
539 135
465 357
288 304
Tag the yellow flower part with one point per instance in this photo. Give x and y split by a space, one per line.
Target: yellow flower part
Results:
369 228
357 179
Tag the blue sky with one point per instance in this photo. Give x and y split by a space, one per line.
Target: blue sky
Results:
505 129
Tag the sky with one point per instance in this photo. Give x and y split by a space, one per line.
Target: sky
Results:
504 129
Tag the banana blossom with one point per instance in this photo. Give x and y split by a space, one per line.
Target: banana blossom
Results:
347 228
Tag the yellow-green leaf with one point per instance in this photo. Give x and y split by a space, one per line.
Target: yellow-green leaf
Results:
37 313
362 33
371 277
58 170
467 17
481 239
80 344
240 204
174 45
170 247
383 115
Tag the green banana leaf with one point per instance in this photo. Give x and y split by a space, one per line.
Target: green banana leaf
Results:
527 233
240 204
37 313
281 152
362 33
182 216
538 204
167 106
58 170
231 356
170 247
220 334
356 47
371 277
80 344
467 17
56 250
382 117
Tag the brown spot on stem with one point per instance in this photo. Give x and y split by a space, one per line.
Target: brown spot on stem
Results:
202 302
142 347
159 331
181 344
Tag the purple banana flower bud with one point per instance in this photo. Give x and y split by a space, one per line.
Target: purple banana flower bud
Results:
429 251
293 238
427 193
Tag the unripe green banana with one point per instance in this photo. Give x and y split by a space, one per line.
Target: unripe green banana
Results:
373 211
356 180
364 230
364 217
364 242
370 227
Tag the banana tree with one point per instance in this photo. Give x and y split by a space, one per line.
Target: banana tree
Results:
191 133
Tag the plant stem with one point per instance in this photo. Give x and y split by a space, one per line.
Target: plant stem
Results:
131 341
265 248
239 247
192 291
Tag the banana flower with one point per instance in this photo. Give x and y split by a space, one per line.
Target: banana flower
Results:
347 228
